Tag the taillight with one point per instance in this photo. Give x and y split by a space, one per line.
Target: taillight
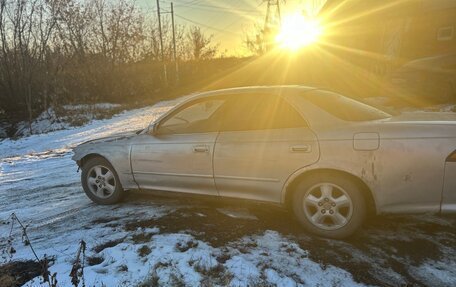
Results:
451 157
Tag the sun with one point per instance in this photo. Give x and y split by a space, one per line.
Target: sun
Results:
298 31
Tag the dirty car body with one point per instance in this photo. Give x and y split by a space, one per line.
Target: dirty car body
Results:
260 143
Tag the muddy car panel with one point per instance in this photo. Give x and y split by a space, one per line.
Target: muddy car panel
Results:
401 160
256 164
116 149
180 163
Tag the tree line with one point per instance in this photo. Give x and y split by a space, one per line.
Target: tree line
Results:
62 51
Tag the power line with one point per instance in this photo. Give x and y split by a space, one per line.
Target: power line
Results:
204 25
208 7
240 13
222 30
226 27
227 11
220 9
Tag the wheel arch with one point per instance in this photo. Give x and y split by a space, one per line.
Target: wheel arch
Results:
90 156
295 179
117 156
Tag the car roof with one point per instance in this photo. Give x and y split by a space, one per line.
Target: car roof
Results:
251 89
324 117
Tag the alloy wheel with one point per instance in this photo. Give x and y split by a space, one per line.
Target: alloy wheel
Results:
328 206
101 181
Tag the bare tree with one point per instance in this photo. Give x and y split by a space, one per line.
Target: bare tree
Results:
54 52
118 31
258 41
199 45
25 36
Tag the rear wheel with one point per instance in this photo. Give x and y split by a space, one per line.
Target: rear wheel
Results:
100 181
329 205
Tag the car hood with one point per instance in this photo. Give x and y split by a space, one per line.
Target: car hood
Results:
112 138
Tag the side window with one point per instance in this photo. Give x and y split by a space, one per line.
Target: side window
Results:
260 112
199 116
344 108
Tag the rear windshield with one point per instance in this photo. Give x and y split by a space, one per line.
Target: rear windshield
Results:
344 108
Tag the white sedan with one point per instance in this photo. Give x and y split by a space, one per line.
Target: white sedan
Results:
327 157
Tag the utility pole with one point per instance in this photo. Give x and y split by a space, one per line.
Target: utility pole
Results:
161 44
176 64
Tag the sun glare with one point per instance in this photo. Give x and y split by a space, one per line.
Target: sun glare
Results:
298 31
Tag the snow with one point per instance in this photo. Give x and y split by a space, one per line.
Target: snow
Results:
72 136
104 106
271 262
47 121
50 120
283 263
432 271
38 182
447 108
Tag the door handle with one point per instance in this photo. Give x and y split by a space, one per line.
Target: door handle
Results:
200 148
301 148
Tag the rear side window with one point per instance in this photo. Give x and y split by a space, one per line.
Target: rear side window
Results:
259 112
343 107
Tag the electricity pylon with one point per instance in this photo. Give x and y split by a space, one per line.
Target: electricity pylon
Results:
272 22
273 18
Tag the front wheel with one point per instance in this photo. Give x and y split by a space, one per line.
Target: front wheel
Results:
329 205
100 181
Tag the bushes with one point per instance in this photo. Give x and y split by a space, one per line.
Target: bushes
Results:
55 52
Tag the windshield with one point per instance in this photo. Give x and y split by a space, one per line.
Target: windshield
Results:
343 107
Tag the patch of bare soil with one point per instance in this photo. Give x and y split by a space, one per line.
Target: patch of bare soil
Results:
108 244
385 246
209 225
17 273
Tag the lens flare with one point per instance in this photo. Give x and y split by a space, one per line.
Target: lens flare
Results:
298 31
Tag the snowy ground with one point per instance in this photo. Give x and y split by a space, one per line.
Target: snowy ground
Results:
150 240
66 117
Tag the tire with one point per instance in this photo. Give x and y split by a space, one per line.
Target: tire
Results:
101 182
329 205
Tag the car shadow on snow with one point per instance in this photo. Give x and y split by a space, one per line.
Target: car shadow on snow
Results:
388 251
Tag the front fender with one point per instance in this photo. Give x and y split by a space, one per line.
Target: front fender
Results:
117 155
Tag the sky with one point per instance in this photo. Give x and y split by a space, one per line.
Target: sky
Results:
228 21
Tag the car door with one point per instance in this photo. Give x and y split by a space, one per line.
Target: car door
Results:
262 141
178 155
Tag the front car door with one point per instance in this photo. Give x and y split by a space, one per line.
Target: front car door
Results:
263 140
178 156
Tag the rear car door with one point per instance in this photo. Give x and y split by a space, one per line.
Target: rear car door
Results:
178 156
262 141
